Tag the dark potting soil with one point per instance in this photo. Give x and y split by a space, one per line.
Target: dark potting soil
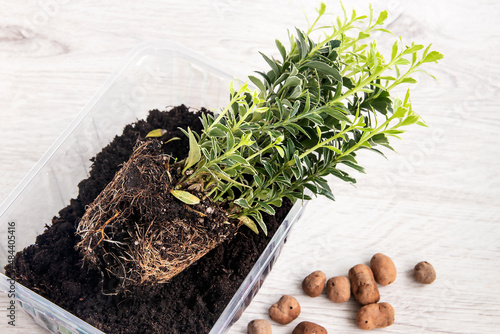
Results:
191 302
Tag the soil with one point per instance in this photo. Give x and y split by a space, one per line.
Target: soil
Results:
190 302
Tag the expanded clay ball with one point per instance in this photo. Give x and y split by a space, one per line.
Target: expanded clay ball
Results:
383 269
306 327
375 316
314 284
424 272
259 326
363 284
286 310
338 289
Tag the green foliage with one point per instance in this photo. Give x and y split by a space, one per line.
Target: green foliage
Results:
185 197
194 150
311 112
156 133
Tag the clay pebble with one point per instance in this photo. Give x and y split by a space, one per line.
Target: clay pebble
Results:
314 283
286 310
424 272
377 315
363 285
306 327
259 326
384 270
338 289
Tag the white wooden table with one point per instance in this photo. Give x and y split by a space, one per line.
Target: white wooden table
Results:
437 200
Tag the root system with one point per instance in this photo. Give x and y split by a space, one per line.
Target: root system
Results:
136 232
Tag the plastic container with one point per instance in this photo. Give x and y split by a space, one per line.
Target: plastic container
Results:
154 75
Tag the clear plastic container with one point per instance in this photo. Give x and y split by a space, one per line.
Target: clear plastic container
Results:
152 76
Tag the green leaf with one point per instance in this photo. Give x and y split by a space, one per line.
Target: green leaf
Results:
353 165
280 108
384 30
363 35
222 175
257 83
271 63
335 43
243 203
317 119
342 175
409 80
400 112
298 163
263 194
325 69
156 133
328 194
185 197
246 139
258 180
260 221
302 44
245 220
205 152
382 103
334 149
276 202
296 92
382 17
289 149
265 76
307 105
266 208
292 81
348 157
216 132
335 113
296 172
412 49
432 56
318 131
194 152
380 138
322 9
402 61
394 50
374 150
280 150
238 158
281 48
324 189
172 139
229 140
222 128
313 188
409 120
284 181
268 168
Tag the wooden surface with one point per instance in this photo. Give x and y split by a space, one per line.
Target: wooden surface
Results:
438 199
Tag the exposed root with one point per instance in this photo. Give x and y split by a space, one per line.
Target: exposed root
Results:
136 232
101 229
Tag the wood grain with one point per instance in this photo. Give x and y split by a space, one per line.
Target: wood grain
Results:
438 199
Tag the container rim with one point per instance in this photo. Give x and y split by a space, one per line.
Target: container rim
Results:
273 248
38 302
